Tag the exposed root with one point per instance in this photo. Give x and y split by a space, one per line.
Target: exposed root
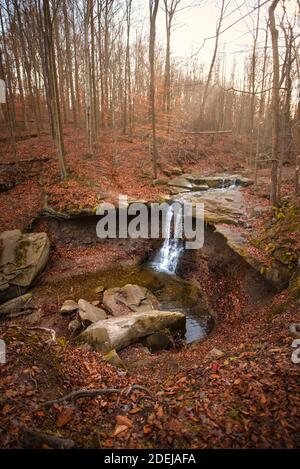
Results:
72 396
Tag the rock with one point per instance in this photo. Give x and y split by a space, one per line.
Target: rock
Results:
160 182
99 289
295 330
200 187
222 207
294 285
96 303
179 190
16 306
117 333
113 358
214 354
157 341
218 181
74 326
175 170
89 313
277 275
86 347
180 182
123 300
69 306
22 259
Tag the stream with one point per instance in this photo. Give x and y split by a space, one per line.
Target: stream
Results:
158 274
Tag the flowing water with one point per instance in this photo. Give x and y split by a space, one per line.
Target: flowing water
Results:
159 276
167 258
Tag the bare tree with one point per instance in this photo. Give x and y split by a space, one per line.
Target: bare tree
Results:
48 23
170 9
275 104
153 7
212 64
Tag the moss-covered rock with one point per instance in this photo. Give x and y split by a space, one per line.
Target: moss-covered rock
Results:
22 258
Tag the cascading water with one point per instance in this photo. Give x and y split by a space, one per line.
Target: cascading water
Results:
169 254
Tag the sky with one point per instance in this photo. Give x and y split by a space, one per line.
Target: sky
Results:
195 23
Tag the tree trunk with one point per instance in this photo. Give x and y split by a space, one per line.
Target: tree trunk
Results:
275 104
54 89
153 5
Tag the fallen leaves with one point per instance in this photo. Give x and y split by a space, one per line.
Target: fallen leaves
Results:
64 417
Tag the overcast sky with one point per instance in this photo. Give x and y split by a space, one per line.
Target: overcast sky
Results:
193 25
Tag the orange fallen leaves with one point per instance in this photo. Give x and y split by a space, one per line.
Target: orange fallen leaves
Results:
120 429
64 417
123 420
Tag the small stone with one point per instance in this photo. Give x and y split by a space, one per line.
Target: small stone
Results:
69 306
99 289
113 358
95 303
74 326
214 354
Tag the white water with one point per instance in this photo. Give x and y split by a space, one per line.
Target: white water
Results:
168 256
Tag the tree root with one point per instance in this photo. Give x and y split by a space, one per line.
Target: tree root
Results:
97 392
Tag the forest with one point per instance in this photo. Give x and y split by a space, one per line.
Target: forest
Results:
120 329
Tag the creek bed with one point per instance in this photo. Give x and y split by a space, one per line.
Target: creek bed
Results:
172 292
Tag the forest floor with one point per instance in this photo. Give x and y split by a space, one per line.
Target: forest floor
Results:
247 398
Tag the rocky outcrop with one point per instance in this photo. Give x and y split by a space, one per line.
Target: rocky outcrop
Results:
117 333
22 258
278 274
222 207
130 298
198 182
295 284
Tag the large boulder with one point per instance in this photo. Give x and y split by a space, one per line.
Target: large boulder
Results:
117 333
22 258
130 298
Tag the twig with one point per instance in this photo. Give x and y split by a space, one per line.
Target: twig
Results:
94 393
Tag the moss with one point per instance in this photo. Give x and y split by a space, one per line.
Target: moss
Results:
21 252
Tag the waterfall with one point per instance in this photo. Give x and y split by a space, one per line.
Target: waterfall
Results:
166 260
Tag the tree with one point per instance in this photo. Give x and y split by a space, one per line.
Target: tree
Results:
206 88
275 104
170 9
48 22
153 7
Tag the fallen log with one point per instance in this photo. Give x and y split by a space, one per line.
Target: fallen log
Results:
34 440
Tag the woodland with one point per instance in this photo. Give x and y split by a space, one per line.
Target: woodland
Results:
140 342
